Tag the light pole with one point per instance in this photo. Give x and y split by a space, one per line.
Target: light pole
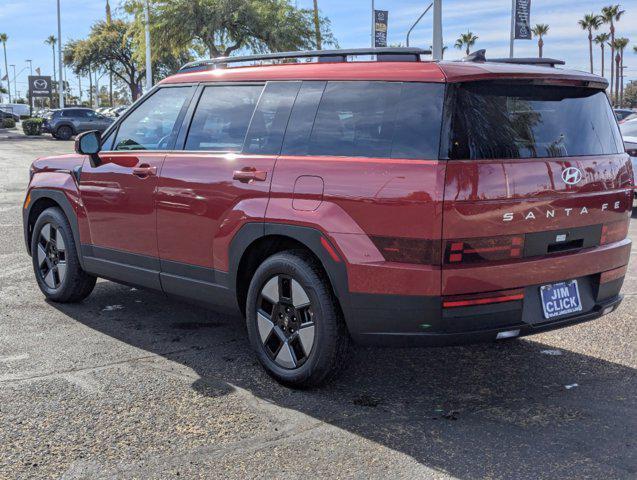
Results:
29 90
373 24
15 85
149 65
60 90
512 40
437 31
416 22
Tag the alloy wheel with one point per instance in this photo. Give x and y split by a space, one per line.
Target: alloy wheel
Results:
285 321
51 256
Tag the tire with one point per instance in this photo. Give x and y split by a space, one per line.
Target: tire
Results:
55 262
64 133
294 322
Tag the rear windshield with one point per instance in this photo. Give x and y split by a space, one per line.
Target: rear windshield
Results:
491 121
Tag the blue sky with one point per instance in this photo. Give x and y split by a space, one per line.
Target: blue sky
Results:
29 22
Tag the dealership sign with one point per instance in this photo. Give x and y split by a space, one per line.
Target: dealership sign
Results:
39 86
380 28
522 19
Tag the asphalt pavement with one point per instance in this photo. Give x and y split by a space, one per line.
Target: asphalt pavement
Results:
132 384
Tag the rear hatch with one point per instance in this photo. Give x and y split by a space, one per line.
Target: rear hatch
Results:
536 172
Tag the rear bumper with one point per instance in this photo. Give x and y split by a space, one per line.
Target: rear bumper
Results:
487 334
397 320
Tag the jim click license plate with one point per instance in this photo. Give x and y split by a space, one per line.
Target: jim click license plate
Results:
560 299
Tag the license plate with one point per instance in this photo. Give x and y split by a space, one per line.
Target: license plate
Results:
560 299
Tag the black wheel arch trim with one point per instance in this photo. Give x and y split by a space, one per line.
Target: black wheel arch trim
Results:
308 236
61 199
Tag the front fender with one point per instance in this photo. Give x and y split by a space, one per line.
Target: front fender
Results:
68 201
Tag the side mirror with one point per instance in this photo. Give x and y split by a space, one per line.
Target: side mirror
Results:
88 143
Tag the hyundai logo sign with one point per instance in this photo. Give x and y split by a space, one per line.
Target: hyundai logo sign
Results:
571 175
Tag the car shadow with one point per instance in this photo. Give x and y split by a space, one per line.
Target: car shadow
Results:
519 409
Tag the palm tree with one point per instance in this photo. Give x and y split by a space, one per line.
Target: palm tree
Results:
539 31
3 38
52 41
590 22
610 15
602 40
616 47
466 39
621 44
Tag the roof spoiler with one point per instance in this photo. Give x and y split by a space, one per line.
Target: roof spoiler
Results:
385 54
480 56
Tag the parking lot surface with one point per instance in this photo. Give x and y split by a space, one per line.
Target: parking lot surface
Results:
131 384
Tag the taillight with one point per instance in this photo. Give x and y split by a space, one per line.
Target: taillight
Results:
483 298
487 249
614 232
408 250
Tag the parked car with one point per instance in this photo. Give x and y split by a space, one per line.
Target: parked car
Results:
429 203
622 113
65 123
20 109
5 114
117 111
629 133
630 117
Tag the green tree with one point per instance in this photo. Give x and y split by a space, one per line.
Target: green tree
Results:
221 27
589 23
630 94
610 15
539 31
602 40
467 40
108 45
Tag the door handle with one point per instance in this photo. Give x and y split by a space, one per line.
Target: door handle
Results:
250 174
144 170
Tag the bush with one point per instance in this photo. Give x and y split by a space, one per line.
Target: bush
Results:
32 126
8 123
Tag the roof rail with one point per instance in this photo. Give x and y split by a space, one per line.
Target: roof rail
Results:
385 54
481 56
530 61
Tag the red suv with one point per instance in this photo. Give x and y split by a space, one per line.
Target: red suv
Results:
389 201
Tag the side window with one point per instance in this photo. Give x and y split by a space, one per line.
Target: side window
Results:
270 119
297 135
222 117
356 119
419 121
153 124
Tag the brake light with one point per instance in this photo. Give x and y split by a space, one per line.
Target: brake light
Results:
408 250
473 250
614 232
483 298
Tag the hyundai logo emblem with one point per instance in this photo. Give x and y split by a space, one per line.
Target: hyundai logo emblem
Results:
40 84
571 175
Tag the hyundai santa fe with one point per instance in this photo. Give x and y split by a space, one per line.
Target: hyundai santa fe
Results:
387 201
